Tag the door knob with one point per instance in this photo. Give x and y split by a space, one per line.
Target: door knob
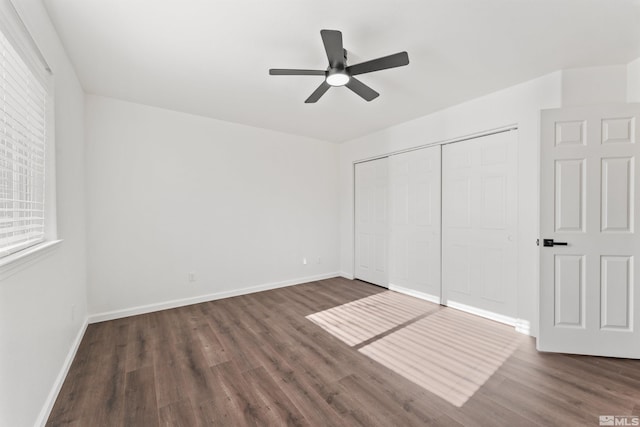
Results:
550 242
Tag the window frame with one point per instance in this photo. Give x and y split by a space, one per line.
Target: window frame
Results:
20 38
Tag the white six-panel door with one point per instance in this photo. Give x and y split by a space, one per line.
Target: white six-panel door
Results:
479 202
371 222
588 199
415 222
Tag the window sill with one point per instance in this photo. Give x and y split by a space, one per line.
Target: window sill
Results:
14 263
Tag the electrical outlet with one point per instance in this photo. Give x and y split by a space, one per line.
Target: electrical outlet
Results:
191 276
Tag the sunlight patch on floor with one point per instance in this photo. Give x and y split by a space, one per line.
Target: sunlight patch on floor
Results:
450 353
363 319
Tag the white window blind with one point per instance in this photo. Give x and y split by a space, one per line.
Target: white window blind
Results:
22 153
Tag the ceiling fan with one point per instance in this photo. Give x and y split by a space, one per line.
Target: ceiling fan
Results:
339 74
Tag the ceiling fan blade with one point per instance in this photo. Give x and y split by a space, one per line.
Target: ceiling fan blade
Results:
332 40
362 89
290 72
391 61
318 93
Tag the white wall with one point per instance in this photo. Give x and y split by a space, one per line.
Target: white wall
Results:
36 326
172 193
594 85
516 105
633 81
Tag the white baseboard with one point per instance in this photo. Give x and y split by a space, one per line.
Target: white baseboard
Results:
523 326
149 308
346 275
62 375
483 313
412 292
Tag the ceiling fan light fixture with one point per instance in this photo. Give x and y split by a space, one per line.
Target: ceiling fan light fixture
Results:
337 78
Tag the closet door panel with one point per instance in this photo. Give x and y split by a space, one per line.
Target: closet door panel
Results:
371 221
414 184
479 203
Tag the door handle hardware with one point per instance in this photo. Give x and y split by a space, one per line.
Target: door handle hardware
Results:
550 242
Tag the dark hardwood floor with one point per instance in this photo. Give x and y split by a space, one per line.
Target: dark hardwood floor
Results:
257 360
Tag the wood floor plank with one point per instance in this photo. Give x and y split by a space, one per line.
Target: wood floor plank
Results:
617 389
593 400
140 408
534 405
69 409
187 376
406 394
486 412
445 421
104 404
178 414
310 404
257 360
141 344
235 402
212 348
233 339
278 408
368 396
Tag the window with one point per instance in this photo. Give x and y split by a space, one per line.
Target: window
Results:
23 137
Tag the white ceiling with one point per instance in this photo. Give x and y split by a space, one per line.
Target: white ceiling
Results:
211 58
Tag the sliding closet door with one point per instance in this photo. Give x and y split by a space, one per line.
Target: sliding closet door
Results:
415 222
479 205
371 222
